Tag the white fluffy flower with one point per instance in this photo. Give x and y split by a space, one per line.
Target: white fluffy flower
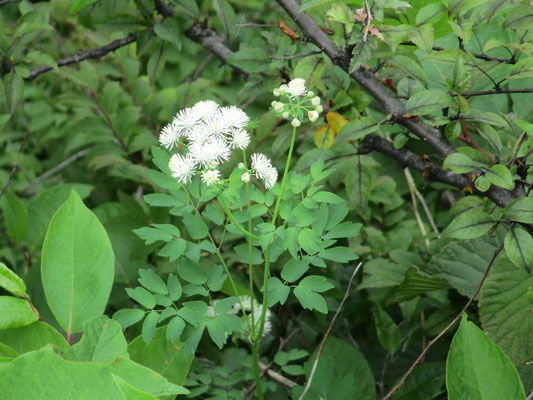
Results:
296 87
219 149
235 117
199 134
182 168
216 124
239 138
204 109
211 176
184 121
210 153
168 136
264 170
296 122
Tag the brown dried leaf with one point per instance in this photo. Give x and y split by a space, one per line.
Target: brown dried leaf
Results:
287 31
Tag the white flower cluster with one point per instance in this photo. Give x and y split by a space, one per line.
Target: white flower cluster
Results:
247 304
298 102
209 133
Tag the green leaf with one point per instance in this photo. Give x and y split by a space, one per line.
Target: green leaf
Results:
128 316
169 30
151 281
151 235
423 37
339 254
32 337
428 101
162 356
12 282
32 373
310 241
175 328
416 284
520 210
15 216
294 269
476 368
500 175
149 326
173 249
195 225
388 331
102 341
77 265
217 332
409 67
505 311
463 262
470 225
426 382
77 5
519 248
346 229
130 392
277 292
192 272
142 296
250 59
459 163
341 373
174 287
15 313
358 129
306 293
14 90
327 197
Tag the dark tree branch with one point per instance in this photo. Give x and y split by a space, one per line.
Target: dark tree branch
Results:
2 2
368 81
407 158
203 35
477 55
84 55
490 92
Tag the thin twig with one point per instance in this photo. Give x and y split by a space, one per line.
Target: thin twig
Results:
419 221
84 55
422 200
311 53
277 376
319 352
447 328
16 165
368 21
58 167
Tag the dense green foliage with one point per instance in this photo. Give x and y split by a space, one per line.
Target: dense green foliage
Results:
392 259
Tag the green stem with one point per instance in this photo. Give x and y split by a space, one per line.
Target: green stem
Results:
267 253
257 373
233 220
226 269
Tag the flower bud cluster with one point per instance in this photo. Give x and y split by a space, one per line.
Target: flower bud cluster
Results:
295 101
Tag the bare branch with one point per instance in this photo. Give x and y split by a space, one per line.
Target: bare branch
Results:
476 55
491 92
446 329
87 54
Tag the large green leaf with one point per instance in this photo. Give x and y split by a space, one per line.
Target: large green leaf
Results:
11 281
102 341
462 263
44 375
426 382
32 337
15 313
505 311
342 374
477 369
470 225
15 216
77 265
162 356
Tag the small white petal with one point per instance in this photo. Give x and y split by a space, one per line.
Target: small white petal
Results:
239 138
296 122
211 176
296 87
182 168
168 136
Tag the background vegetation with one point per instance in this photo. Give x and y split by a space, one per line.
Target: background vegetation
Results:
426 127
